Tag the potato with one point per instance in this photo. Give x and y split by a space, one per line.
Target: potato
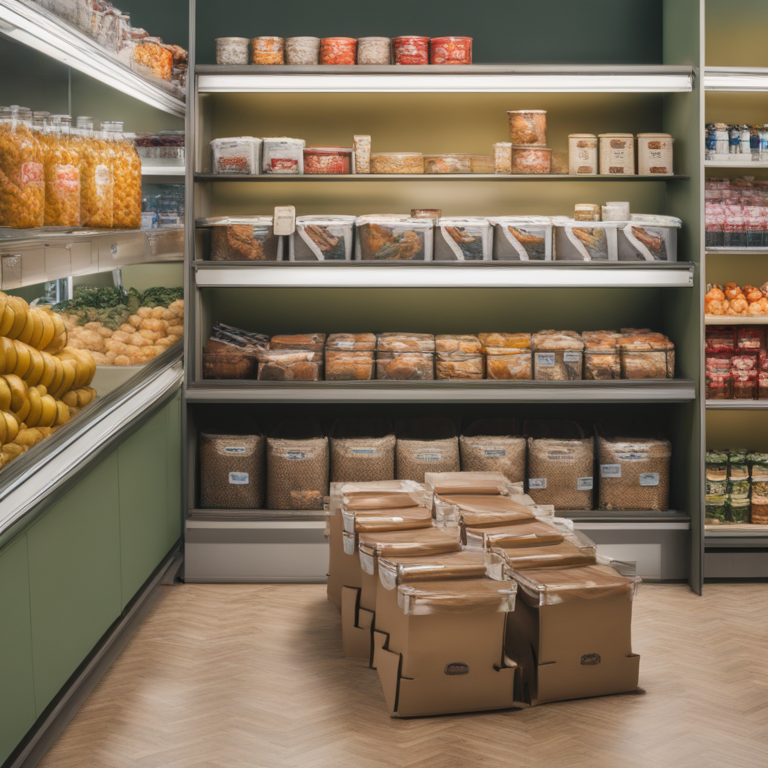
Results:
100 358
152 324
151 335
127 328
92 326
131 350
164 343
158 313
111 356
175 330
135 321
75 343
115 346
123 360
139 341
144 312
121 336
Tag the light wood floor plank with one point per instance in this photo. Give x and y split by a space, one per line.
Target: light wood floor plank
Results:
252 676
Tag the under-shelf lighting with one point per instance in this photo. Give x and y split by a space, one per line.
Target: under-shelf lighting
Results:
522 82
58 40
736 79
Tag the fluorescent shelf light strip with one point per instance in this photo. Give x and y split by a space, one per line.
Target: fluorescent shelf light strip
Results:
57 40
454 83
736 81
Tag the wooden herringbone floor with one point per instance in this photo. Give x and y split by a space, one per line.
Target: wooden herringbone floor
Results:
241 676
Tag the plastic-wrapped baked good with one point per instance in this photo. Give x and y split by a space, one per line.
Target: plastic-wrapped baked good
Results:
527 160
465 344
153 59
351 342
231 353
457 365
406 342
557 356
512 364
397 238
327 160
405 366
505 340
348 365
647 356
601 356
648 238
585 241
239 154
494 445
397 162
522 238
465 239
243 238
323 238
290 365
560 464
313 342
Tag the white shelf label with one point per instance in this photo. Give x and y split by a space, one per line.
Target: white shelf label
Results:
610 470
649 478
584 483
545 359
239 478
537 483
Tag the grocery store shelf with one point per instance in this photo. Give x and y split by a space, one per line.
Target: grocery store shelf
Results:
31 25
759 251
162 174
36 476
736 79
485 391
737 405
732 535
737 164
476 78
641 517
254 515
375 177
492 274
735 320
33 256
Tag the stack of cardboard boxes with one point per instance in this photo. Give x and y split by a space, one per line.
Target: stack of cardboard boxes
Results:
465 596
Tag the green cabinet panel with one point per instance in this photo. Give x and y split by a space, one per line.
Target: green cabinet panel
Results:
174 517
143 462
74 575
17 693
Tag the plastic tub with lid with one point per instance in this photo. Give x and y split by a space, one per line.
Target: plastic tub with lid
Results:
394 238
322 238
648 238
243 238
585 241
463 239
239 154
522 238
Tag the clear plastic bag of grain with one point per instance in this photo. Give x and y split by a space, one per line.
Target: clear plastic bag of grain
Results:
494 445
232 470
634 467
425 445
297 466
362 450
560 464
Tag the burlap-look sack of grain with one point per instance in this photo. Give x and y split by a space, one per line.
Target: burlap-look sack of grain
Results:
297 466
231 471
426 445
362 450
494 445
634 473
560 464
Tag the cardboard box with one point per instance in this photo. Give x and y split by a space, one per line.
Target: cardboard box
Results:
571 633
447 658
343 569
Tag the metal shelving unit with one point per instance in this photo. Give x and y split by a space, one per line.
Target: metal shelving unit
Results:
422 177
735 320
737 405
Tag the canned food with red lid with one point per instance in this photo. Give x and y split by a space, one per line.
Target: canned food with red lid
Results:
451 50
338 50
411 50
327 159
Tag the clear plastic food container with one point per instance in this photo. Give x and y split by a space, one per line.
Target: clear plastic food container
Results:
585 241
290 365
394 571
466 239
398 238
557 357
464 344
647 357
480 511
457 596
648 238
509 364
602 360
520 534
522 238
405 365
245 238
351 342
575 549
236 155
348 365
459 366
448 163
282 155
397 162
312 342
373 520
322 238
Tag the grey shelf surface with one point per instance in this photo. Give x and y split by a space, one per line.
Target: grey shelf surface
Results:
258 515
666 390
740 251
627 516
735 320
452 177
435 274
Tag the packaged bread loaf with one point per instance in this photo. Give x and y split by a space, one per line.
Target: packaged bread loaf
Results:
290 365
362 450
406 342
508 355
601 355
350 356
557 356
459 366
560 464
405 366
391 237
425 445
647 356
467 344
243 238
494 445
297 466
312 342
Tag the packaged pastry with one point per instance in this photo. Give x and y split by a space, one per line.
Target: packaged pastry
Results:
466 344
406 342
153 59
648 238
587 212
522 238
465 239
344 365
313 342
322 238
647 356
447 164
231 353
398 238
290 365
557 356
405 366
282 155
328 160
457 365
351 342
397 162
239 154
602 360
245 238
508 364
505 340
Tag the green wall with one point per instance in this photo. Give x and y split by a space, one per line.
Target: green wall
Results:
71 573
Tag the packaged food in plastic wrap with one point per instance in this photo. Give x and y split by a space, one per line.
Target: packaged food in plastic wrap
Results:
560 464
243 238
585 241
527 160
425 445
739 509
62 175
602 360
96 182
405 366
716 465
394 238
634 471
297 466
232 471
557 356
151 58
323 238
362 450
239 154
519 534
466 564
716 509
459 596
647 356
528 127
452 163
397 162
384 494
460 482
480 511
328 160
514 364
290 365
406 342
282 155
648 238
456 365
312 342
231 353
575 549
343 365
376 520
494 445
417 542
522 238
463 239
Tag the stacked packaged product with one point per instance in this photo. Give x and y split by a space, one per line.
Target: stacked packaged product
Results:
737 488
736 213
734 301
736 363
461 593
736 143
544 356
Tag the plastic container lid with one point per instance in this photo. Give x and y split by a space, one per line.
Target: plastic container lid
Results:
384 494
406 342
245 139
399 519
551 586
576 549
471 483
229 221
466 564
656 221
615 135
325 220
654 136
328 150
464 221
527 112
582 136
286 140
422 541
515 535
481 511
460 596
521 220
396 220
508 342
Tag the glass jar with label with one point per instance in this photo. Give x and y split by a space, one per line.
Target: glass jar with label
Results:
62 175
95 178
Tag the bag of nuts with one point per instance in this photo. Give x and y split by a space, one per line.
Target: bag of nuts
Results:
297 466
426 445
494 445
362 450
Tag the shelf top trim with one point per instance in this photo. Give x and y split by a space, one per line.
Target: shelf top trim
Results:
475 78
35 27
736 79
735 320
374 177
